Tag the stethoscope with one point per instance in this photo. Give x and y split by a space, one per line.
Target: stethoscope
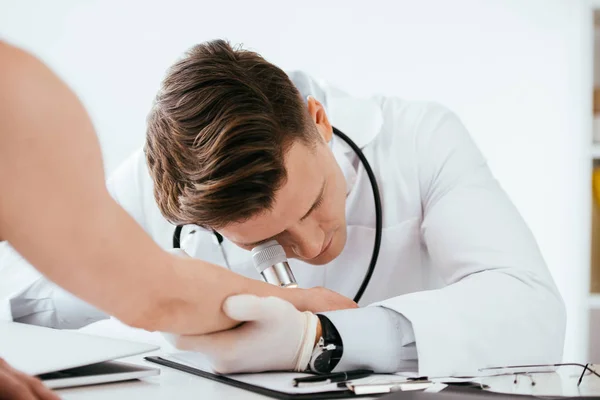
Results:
378 218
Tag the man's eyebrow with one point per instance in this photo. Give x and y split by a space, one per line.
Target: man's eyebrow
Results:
316 204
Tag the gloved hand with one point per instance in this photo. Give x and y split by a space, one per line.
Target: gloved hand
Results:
274 336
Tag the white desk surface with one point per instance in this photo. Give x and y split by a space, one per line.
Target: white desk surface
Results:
172 383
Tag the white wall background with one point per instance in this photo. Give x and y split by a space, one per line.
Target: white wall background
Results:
517 71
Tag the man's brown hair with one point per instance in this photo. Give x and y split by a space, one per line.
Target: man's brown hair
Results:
218 133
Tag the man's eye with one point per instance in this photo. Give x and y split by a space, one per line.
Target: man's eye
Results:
318 203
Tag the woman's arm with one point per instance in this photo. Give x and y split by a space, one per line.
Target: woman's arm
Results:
55 210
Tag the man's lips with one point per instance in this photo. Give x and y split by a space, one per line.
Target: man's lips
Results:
326 246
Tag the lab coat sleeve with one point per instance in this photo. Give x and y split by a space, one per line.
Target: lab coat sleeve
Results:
16 275
46 304
500 305
374 338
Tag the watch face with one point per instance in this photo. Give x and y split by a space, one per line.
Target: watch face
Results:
322 362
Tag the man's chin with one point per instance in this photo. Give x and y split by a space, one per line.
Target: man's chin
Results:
321 260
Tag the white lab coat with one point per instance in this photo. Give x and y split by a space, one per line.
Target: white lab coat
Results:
456 258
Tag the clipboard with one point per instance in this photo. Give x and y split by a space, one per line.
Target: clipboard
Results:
340 394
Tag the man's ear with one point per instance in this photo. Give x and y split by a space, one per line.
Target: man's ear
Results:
319 117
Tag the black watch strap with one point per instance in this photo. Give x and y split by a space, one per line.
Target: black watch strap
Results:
331 336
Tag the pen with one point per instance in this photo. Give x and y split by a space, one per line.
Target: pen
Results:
331 378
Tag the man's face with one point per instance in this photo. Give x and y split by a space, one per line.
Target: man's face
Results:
308 217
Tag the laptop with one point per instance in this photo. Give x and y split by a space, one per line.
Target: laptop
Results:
66 358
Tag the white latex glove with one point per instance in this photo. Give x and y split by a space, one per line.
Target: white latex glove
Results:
275 336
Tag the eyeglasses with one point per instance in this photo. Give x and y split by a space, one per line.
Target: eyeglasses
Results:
588 369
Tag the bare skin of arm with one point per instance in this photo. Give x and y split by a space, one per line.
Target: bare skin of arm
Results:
55 211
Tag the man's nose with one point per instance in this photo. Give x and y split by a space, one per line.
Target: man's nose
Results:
307 242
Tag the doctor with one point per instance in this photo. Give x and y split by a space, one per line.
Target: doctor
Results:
233 147
240 153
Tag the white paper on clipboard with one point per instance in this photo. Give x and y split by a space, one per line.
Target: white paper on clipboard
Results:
278 381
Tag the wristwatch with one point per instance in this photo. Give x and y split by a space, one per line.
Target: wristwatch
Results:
329 349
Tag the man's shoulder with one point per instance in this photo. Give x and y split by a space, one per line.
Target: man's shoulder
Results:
415 114
406 122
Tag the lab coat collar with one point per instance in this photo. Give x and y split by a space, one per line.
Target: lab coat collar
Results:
343 155
361 119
